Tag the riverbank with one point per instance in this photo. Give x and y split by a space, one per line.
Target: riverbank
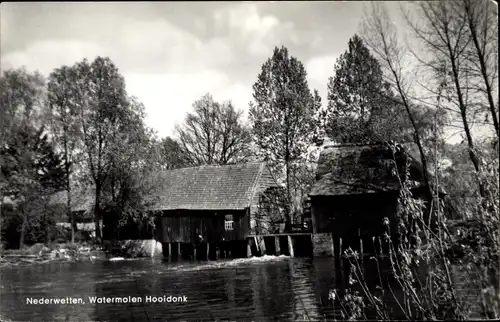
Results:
40 253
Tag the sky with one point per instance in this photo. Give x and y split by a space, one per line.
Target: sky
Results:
172 53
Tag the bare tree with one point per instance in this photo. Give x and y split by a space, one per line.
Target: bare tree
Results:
445 34
380 36
482 21
213 134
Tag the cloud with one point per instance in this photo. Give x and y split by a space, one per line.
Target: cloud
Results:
319 69
165 65
256 32
239 94
162 44
169 96
154 46
45 55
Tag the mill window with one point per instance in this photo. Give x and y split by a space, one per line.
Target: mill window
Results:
229 222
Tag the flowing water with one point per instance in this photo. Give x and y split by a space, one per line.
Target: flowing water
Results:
263 289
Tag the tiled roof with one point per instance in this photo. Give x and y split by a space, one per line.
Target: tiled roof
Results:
228 187
356 169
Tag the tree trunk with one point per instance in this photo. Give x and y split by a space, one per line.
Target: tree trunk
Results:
23 231
71 215
97 213
416 134
463 113
288 219
47 228
482 62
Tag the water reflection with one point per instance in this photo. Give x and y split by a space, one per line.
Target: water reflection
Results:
260 289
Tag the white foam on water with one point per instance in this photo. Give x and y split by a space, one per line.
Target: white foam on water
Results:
114 259
226 263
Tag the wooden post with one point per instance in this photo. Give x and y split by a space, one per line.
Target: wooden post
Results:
277 245
290 246
169 250
361 248
333 247
337 261
208 251
341 261
262 245
249 249
257 245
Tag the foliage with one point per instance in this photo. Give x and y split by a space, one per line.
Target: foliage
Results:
65 125
360 102
127 186
21 101
213 133
31 169
435 266
104 111
283 116
425 280
169 154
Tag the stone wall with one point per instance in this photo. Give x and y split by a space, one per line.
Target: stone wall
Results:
322 244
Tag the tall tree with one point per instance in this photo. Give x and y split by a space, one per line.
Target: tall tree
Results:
283 116
131 162
103 112
213 133
30 168
356 95
65 125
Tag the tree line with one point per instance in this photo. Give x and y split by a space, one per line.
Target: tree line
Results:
80 128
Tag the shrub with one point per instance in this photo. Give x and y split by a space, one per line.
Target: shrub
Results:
432 275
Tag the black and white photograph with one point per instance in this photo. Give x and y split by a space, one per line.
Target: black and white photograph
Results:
249 161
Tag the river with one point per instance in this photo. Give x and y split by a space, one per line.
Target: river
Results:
265 288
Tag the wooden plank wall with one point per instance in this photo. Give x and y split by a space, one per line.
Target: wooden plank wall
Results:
185 226
344 214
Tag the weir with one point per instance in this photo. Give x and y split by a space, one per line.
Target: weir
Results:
288 244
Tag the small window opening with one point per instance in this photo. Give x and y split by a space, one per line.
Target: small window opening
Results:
229 222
